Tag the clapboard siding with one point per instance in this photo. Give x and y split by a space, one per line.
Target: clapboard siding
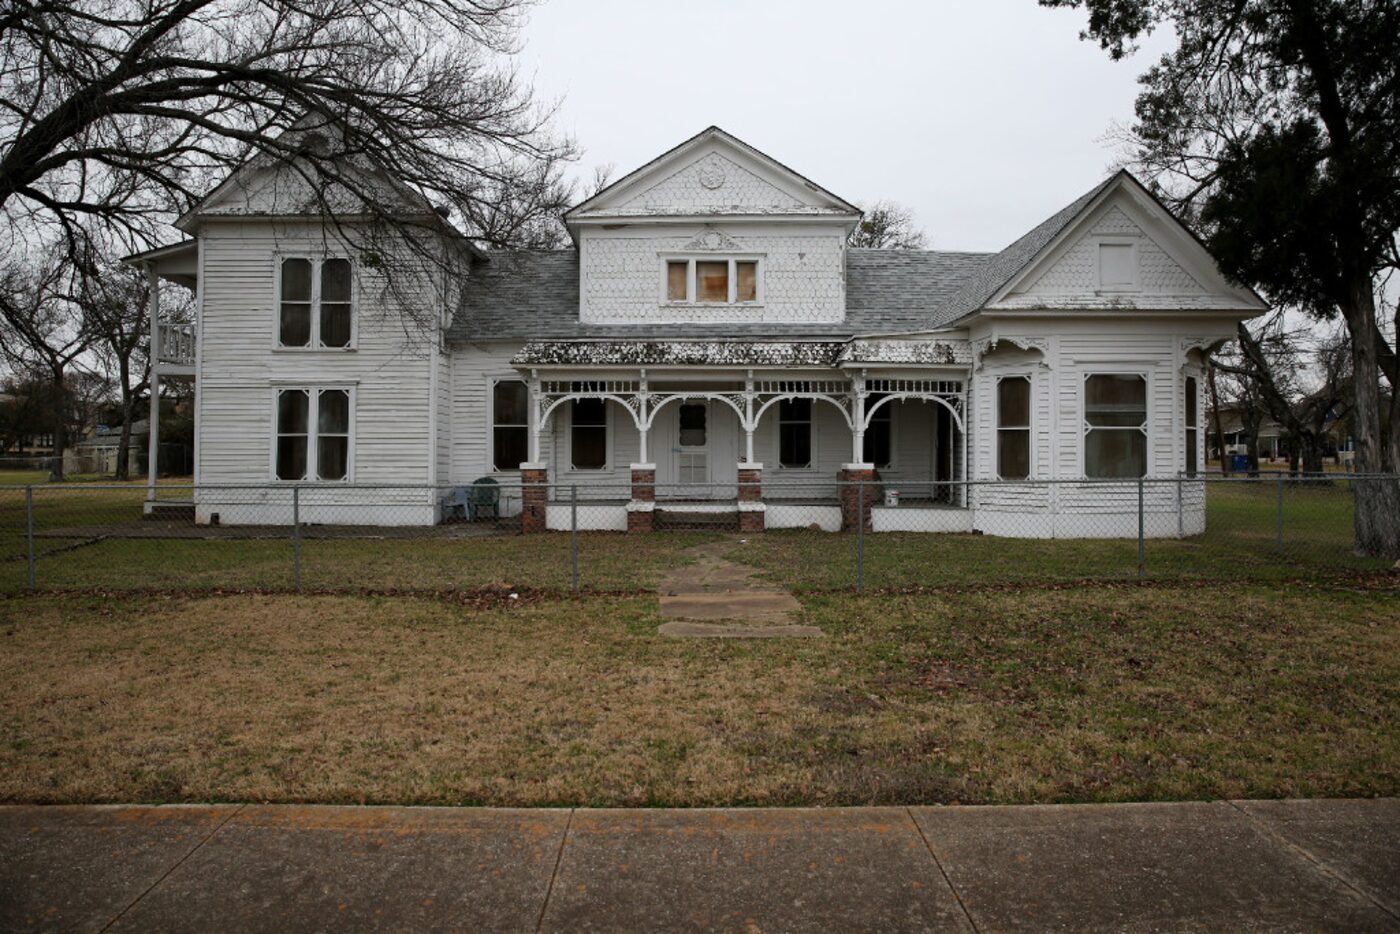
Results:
240 368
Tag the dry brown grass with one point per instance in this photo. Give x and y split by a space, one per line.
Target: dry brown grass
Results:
1129 693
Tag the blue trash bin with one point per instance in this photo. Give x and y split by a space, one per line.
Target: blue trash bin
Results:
1239 463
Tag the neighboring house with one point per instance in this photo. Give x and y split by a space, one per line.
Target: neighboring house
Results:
710 339
1236 436
99 449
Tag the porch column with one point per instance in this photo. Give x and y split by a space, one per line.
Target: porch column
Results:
641 510
748 423
535 417
858 419
153 435
534 496
751 508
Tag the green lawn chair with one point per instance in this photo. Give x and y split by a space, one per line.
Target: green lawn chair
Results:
483 499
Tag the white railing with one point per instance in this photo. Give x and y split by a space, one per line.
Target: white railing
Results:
177 344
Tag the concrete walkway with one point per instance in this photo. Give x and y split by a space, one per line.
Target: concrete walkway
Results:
1278 865
714 597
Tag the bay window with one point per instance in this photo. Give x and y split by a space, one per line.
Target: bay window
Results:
313 434
316 308
1014 428
1193 428
1115 425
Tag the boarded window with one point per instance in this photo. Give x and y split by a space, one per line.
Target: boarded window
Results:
1014 428
295 321
677 275
712 281
1115 426
333 434
1193 428
293 425
876 447
588 434
1117 268
335 303
746 273
795 433
510 424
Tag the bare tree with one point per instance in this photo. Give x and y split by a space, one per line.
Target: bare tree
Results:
42 334
530 215
886 225
114 116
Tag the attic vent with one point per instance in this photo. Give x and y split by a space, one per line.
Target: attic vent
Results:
1117 266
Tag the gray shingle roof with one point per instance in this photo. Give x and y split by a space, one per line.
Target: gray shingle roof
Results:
1002 267
533 295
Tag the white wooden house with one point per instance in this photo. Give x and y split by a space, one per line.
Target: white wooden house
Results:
710 338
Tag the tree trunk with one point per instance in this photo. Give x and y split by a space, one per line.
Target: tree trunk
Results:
124 444
1377 510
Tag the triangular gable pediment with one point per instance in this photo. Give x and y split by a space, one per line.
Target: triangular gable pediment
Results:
712 173
1124 250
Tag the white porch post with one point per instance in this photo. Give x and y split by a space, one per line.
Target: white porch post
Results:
153 435
643 419
535 417
858 419
748 418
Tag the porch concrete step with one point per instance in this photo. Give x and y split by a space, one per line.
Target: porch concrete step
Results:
670 520
169 510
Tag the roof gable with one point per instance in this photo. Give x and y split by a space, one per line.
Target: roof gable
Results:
712 173
1166 265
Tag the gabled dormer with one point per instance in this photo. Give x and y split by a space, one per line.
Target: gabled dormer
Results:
712 231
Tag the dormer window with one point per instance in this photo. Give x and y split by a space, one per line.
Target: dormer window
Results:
712 280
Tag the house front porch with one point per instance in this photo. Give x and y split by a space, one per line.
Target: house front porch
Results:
744 435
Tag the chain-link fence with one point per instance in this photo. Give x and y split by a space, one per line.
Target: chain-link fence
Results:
809 534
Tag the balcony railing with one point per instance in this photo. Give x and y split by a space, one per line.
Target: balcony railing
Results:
176 344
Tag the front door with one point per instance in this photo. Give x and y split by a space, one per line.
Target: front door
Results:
692 450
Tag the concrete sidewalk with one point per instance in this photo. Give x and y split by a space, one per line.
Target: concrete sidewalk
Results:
1291 865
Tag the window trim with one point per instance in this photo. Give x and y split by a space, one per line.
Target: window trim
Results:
491 382
317 260
1084 428
314 389
607 438
1029 427
690 260
811 464
1135 260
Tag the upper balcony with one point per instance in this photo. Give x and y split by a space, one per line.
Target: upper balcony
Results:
173 344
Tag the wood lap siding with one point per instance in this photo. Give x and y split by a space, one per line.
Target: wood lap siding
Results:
240 368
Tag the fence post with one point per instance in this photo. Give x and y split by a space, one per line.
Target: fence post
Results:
573 536
296 538
1142 546
860 536
29 530
1180 508
1278 517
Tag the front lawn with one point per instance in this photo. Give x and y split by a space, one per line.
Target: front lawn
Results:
1084 694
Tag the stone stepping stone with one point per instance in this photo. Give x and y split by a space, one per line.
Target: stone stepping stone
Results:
695 630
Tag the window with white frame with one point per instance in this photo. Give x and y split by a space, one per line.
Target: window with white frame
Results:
510 424
1115 425
712 280
795 433
879 434
1193 428
316 303
313 434
1118 266
588 434
1014 427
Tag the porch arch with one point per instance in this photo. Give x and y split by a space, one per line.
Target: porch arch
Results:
574 396
918 396
667 398
758 415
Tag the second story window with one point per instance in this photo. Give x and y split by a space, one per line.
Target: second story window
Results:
316 303
712 281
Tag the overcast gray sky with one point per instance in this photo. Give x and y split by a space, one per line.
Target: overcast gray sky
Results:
982 116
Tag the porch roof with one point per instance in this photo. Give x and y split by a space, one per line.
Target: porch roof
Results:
740 353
